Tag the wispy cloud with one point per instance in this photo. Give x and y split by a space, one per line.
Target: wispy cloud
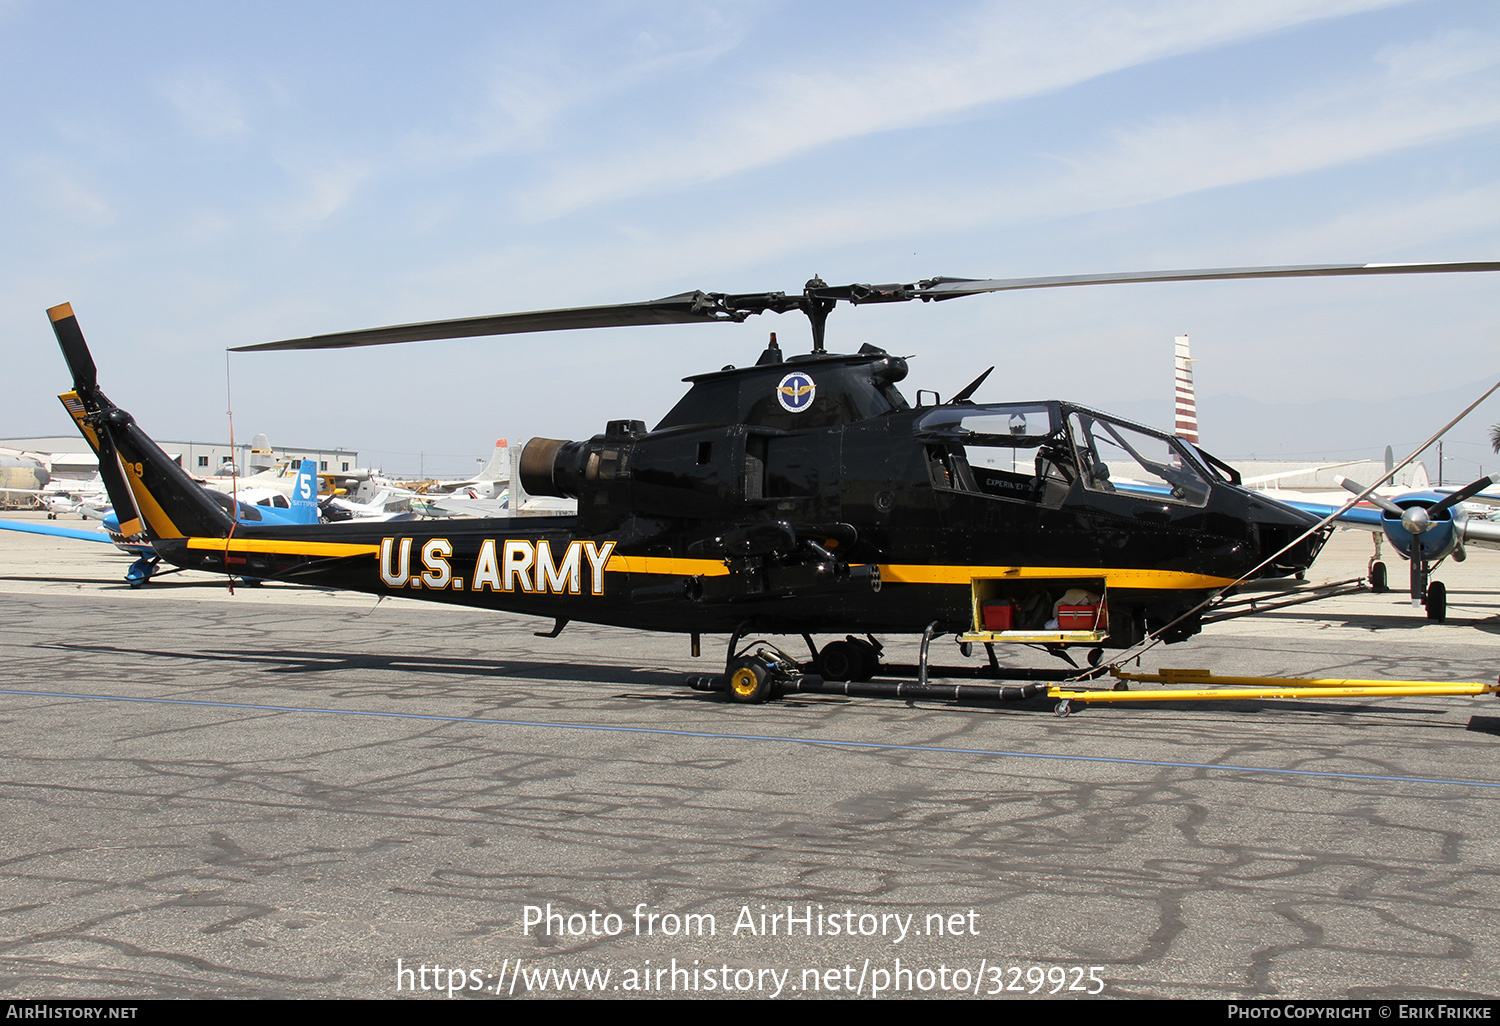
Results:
12 10
1000 53
58 190
320 190
1427 93
1371 116
202 227
1447 55
1414 225
526 94
207 105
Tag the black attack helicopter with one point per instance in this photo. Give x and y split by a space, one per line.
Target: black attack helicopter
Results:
802 495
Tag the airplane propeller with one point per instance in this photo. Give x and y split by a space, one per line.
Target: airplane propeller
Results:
1416 520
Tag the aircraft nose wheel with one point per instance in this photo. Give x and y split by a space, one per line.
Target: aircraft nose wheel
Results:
1437 602
1378 580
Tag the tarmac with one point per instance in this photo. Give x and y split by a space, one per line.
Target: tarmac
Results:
280 792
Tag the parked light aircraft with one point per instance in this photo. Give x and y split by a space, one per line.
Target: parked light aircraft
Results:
250 508
489 483
1424 525
21 474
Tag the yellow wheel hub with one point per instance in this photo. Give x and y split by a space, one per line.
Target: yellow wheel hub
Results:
744 681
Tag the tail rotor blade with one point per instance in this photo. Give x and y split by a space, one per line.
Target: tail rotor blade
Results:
74 349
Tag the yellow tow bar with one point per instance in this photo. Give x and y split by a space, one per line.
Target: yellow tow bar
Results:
1257 687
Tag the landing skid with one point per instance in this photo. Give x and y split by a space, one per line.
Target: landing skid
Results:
763 672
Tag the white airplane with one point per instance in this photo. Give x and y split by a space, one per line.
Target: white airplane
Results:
491 482
386 505
492 494
86 498
58 495
22 473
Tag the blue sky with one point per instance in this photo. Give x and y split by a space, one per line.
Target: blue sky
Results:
195 176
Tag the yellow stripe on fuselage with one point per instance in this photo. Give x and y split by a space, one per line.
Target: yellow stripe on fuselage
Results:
890 573
1115 577
667 565
284 548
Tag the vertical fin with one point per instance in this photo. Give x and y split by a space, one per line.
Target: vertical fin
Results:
149 490
111 471
1186 421
498 468
304 497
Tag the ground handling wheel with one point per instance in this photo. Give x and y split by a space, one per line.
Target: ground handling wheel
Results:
747 680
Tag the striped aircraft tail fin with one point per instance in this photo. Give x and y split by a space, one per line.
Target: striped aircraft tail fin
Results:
1186 420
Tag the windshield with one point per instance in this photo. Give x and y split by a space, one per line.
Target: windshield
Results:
1117 457
1032 452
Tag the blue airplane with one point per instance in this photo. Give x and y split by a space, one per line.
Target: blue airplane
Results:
1426 527
302 508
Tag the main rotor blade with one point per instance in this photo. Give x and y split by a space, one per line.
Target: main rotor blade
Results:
952 288
816 300
687 308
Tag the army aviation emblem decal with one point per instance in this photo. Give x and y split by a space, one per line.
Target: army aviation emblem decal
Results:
796 391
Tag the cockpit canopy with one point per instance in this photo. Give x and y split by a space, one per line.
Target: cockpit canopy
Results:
1007 425
1039 449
